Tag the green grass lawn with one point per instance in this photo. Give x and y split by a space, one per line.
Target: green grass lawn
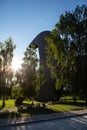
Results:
65 105
9 104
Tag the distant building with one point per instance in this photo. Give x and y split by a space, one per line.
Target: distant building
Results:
47 91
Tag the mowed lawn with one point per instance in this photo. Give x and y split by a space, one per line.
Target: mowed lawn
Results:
9 104
65 105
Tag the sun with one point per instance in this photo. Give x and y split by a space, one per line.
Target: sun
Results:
16 64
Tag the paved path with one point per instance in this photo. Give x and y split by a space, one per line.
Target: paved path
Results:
70 123
40 118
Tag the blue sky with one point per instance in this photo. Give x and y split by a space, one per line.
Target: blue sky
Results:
24 19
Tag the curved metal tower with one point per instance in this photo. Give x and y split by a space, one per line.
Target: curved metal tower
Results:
46 92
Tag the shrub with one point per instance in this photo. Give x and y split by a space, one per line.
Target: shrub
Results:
19 101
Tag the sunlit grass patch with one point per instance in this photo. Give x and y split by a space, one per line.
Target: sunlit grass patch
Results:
63 108
30 102
10 103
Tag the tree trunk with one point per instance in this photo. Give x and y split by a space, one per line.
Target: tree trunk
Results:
86 101
3 96
3 101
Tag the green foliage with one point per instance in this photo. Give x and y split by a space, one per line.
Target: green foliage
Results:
67 41
17 91
40 78
6 74
81 77
27 75
58 84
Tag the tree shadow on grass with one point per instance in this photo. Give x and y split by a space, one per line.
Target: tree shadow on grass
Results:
79 104
8 114
37 111
30 111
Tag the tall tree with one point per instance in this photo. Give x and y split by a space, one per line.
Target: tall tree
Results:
6 53
67 41
28 72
